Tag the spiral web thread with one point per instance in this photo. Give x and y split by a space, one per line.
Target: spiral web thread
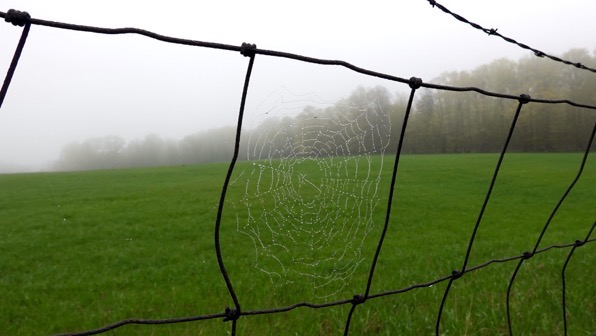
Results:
283 176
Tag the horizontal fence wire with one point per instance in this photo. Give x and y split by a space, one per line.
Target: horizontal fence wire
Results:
23 19
285 309
221 46
493 32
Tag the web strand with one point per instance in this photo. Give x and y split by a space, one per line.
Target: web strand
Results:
361 138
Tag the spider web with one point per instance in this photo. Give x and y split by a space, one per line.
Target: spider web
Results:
310 188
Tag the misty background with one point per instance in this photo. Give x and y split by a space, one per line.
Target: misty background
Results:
87 101
369 120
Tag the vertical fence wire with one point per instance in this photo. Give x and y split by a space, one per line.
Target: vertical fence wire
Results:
15 61
528 255
233 314
249 50
359 299
577 244
456 274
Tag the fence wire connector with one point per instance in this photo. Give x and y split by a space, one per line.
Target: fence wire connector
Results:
248 50
17 18
579 243
358 299
524 98
456 274
415 83
432 3
231 314
527 255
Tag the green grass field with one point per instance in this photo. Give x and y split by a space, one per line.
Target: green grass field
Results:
82 250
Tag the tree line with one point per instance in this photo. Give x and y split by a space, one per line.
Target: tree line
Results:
370 119
451 122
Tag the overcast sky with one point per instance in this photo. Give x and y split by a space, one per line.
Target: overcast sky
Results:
71 86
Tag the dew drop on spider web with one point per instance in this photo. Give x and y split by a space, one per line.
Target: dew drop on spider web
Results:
312 202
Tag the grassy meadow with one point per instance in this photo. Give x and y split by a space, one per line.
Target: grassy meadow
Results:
81 250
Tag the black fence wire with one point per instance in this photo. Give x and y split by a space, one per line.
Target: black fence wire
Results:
233 314
493 32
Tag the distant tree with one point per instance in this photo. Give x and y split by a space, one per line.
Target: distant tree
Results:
94 153
369 121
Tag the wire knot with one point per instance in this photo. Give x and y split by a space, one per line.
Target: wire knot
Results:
456 274
415 83
248 50
579 243
432 3
231 314
527 255
17 18
524 98
579 65
539 54
358 299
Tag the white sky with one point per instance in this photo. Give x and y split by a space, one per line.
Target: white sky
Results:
71 86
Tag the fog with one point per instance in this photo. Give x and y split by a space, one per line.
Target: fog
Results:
72 86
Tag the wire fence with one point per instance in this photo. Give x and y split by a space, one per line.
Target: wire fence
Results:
493 32
233 314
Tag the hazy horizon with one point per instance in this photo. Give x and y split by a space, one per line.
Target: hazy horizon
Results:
72 86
